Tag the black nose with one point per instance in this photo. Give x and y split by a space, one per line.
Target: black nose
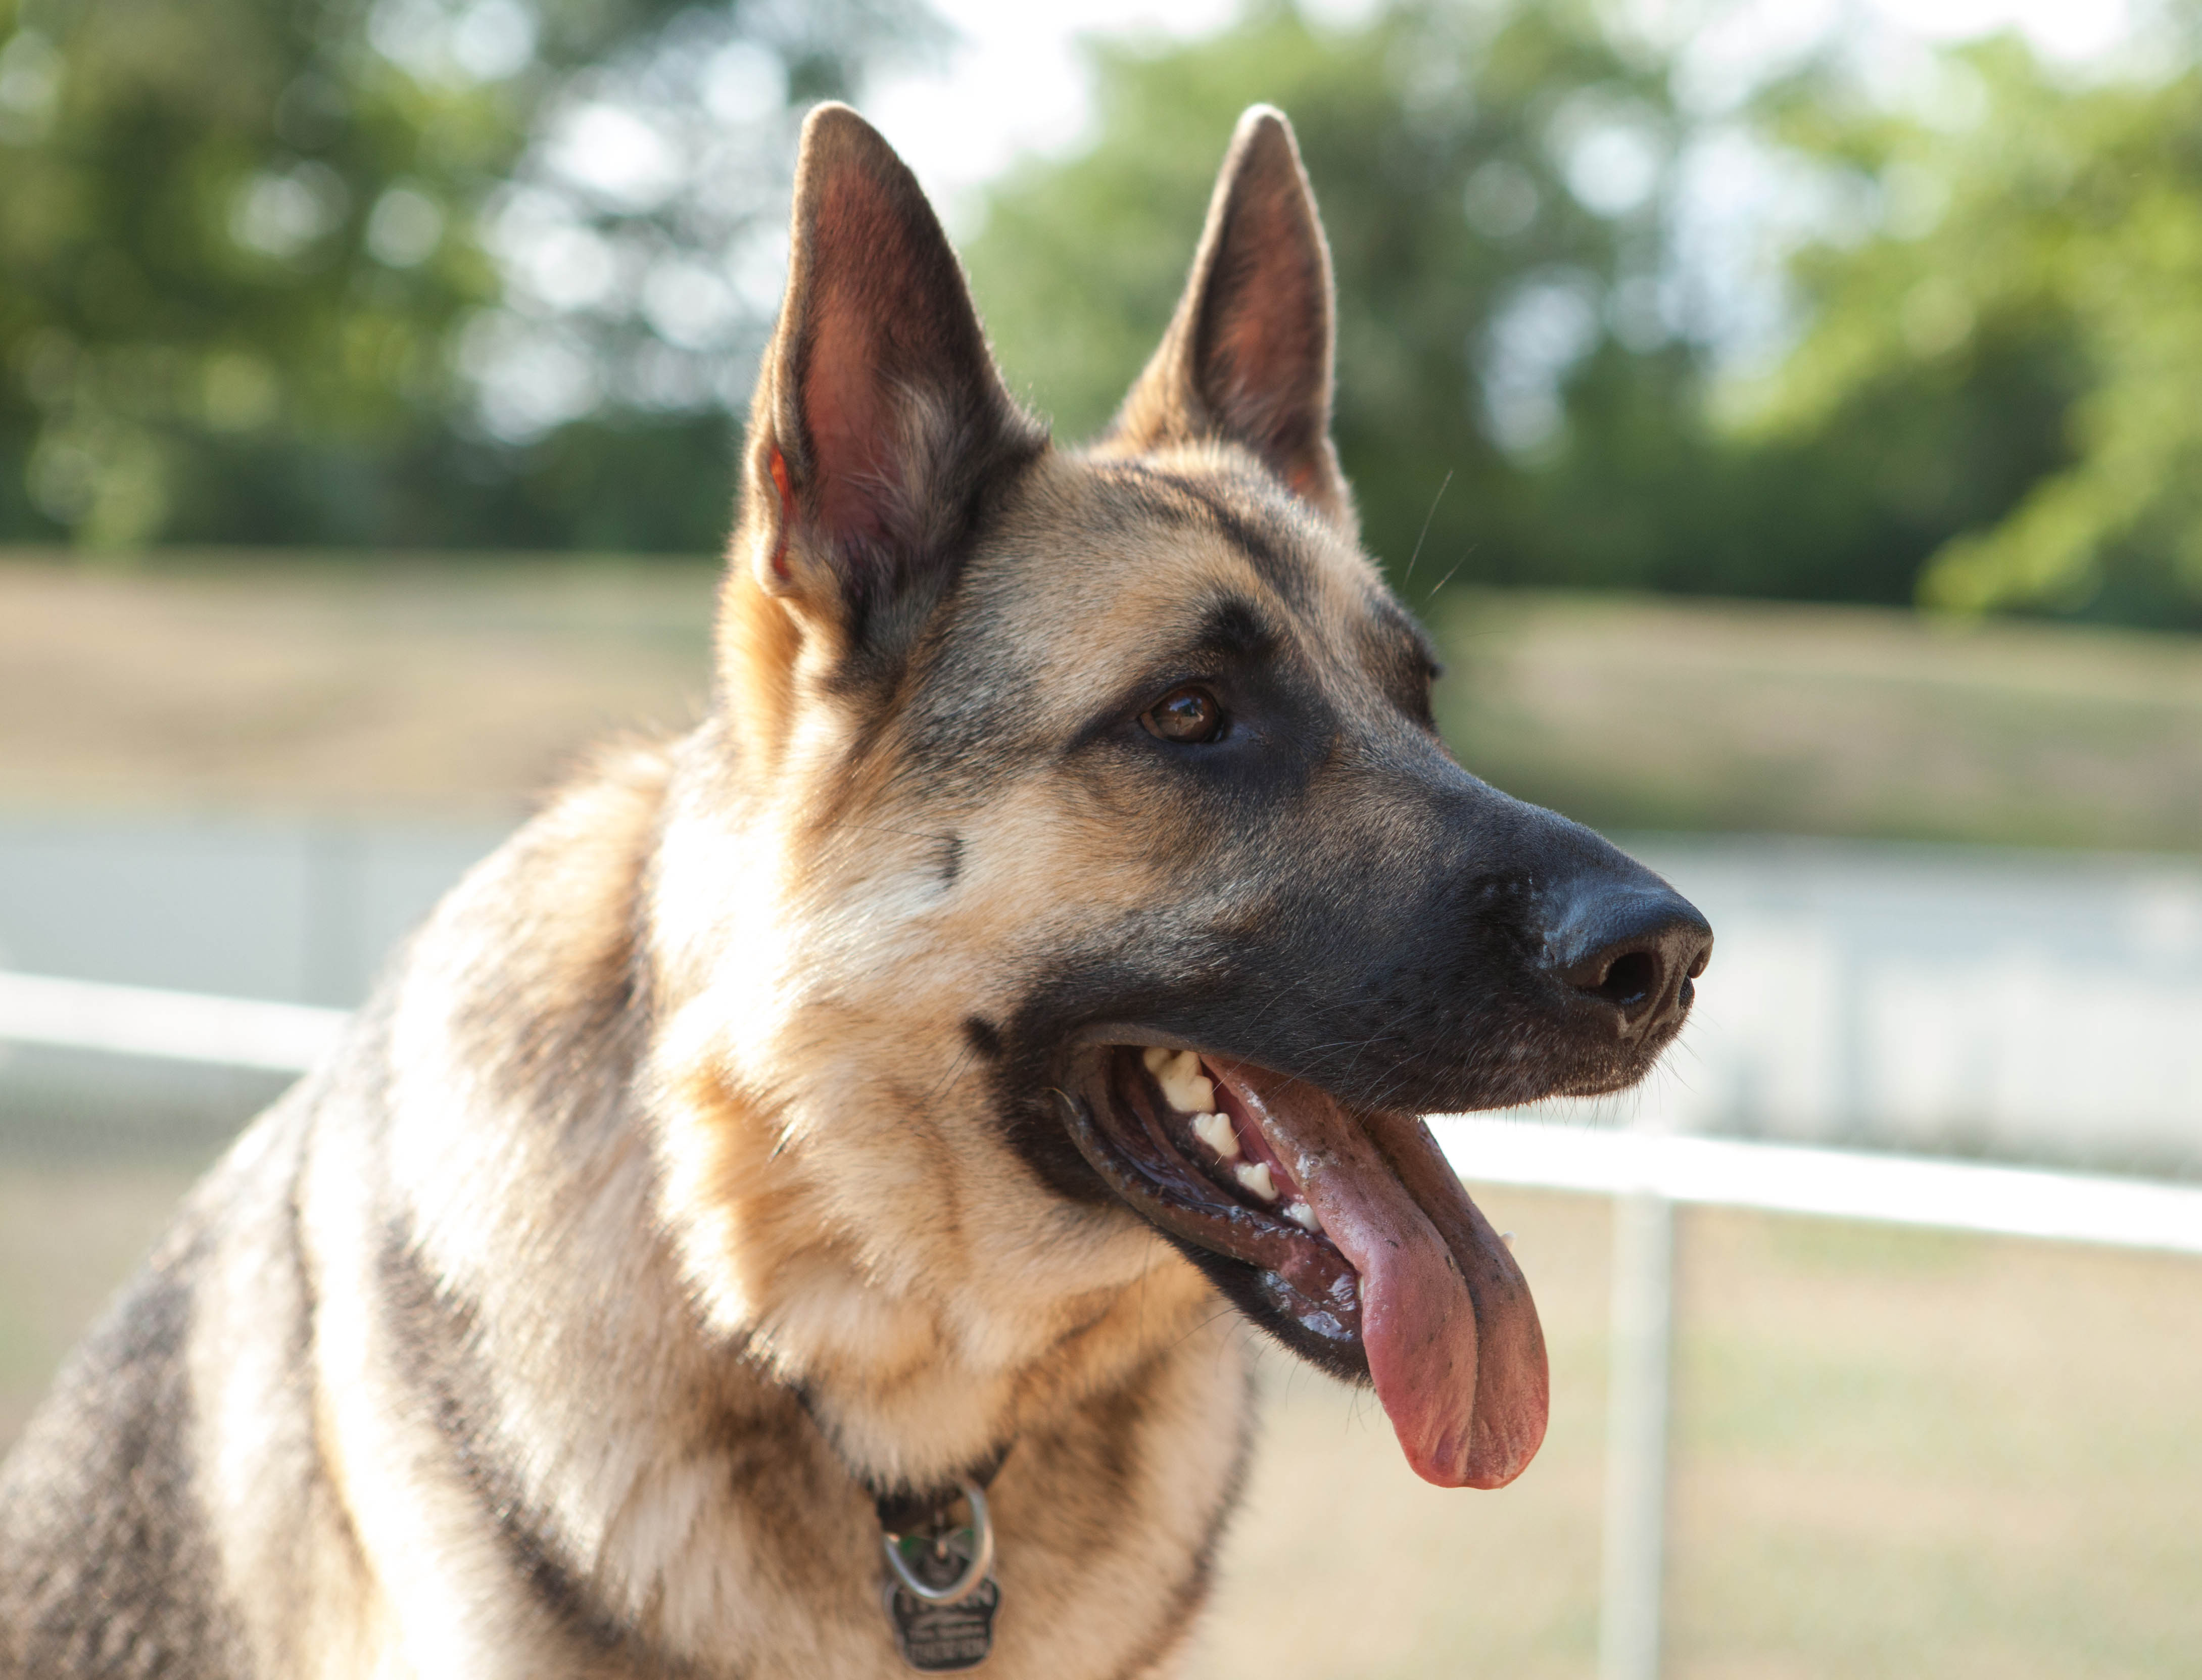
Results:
1635 945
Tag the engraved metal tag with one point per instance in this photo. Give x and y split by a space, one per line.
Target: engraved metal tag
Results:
943 1638
940 1591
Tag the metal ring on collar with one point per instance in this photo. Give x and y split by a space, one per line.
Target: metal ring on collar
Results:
974 1572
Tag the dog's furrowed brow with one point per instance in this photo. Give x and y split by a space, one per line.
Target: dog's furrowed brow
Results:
1234 629
1189 500
1229 634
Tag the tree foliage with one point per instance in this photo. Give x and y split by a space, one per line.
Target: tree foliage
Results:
1452 150
264 264
493 273
1990 406
1524 375
2038 270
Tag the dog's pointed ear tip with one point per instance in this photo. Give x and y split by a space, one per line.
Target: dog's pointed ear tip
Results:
830 118
835 133
1264 129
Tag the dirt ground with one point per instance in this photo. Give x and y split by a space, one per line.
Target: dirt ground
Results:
466 686
458 689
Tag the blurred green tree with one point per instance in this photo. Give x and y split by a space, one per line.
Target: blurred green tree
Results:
1493 180
493 273
423 272
1509 191
2035 286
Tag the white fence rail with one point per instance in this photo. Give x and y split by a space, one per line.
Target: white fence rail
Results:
175 1026
1647 1172
1833 1183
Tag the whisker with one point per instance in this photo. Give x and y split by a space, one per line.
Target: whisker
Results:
1425 531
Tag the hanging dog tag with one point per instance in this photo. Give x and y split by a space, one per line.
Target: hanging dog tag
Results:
943 1638
941 1591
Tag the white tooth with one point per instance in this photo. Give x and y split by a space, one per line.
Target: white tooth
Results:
1302 1215
1184 1086
1506 1237
1154 1056
1215 1131
1255 1176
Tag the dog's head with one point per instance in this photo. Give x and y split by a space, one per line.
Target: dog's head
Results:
1105 830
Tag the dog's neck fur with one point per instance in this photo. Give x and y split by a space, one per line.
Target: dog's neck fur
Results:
847 1225
837 1187
826 1297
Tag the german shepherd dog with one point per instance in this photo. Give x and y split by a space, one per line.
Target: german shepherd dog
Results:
806 1160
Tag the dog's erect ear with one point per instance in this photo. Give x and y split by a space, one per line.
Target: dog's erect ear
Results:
880 420
1247 356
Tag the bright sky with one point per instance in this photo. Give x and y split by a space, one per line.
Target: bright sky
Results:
1015 82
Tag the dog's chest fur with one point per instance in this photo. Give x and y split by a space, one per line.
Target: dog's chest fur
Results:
503 1431
781 1327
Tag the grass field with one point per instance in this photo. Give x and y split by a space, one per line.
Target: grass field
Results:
1739 716
467 685
1896 1454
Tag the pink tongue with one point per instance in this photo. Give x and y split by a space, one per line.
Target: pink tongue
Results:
1437 1286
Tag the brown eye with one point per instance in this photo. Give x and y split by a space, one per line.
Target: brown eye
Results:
1187 714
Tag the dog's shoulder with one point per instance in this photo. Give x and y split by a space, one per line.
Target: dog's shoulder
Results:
122 1529
112 1544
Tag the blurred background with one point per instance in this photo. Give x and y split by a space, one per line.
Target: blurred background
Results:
1787 415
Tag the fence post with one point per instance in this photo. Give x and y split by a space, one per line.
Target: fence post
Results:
1634 1575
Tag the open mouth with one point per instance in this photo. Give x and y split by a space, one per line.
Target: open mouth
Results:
1359 1245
